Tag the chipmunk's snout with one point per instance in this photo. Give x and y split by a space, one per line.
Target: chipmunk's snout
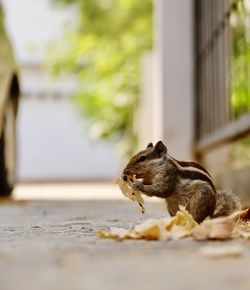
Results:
125 174
125 177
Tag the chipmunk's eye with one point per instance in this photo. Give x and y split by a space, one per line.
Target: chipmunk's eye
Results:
142 158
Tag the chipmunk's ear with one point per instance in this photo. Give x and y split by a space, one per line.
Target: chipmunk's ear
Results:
150 145
160 148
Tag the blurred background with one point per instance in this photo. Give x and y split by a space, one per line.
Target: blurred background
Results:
100 79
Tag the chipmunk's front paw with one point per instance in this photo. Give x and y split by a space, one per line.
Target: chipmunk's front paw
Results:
137 185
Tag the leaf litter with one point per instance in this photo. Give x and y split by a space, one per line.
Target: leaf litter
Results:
182 225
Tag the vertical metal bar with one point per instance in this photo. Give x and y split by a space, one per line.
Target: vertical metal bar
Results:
209 58
199 74
220 63
224 67
213 56
204 69
227 52
210 65
216 64
206 55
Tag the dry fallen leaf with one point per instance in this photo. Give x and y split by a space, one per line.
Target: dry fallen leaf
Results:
247 214
215 229
223 228
130 193
240 215
241 227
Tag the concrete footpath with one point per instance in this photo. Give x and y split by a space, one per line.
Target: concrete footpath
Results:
52 245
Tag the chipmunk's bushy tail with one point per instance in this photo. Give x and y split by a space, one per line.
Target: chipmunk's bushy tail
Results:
227 202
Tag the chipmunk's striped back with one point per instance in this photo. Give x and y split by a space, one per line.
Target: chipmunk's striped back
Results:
192 171
227 202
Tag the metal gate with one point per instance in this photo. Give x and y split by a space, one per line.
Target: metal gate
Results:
222 104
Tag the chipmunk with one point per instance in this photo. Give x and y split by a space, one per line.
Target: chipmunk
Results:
180 183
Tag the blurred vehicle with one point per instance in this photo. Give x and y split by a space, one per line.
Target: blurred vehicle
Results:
9 97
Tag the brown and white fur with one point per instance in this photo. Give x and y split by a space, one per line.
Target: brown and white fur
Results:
180 183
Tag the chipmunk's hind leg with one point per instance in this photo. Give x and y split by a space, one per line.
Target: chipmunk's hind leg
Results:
171 208
202 203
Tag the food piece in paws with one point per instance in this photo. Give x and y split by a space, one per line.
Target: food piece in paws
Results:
126 189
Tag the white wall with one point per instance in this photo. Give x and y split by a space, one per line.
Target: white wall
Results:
54 146
145 116
174 78
167 99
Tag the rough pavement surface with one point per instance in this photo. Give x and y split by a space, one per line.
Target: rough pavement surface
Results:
52 245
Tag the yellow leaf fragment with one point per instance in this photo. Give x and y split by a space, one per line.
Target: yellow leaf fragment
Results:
117 233
149 230
181 224
183 219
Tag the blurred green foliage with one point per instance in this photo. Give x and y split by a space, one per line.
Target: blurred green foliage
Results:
240 78
240 62
103 48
